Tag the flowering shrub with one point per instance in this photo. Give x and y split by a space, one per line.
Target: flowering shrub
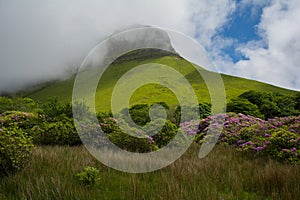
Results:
277 138
15 149
23 120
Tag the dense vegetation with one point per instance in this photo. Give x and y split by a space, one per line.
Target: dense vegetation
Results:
265 104
264 141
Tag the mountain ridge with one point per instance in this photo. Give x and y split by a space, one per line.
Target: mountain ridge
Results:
234 86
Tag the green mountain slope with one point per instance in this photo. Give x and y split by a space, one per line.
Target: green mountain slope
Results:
153 93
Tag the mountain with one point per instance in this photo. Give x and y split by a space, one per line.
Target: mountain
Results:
152 93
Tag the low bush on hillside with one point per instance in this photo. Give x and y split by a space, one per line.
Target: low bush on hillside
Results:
15 149
277 138
19 104
62 132
265 104
203 111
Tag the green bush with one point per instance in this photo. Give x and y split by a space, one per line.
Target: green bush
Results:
53 108
139 114
15 149
165 135
277 143
20 104
244 106
132 143
22 120
204 110
89 176
61 132
273 104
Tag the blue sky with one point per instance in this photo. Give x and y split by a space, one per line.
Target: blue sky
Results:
242 27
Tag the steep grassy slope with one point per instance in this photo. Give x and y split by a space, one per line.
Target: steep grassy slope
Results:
154 93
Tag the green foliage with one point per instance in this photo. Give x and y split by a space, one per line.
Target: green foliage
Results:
18 104
287 105
278 138
139 113
270 109
277 143
89 176
255 97
297 100
244 106
163 136
271 104
15 149
204 110
151 136
133 139
22 120
60 132
131 143
53 108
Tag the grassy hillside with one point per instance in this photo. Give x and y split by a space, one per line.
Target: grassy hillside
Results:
153 93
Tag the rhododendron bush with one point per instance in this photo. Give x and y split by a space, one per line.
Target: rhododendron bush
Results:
277 138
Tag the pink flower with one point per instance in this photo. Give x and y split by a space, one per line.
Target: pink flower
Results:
267 135
150 139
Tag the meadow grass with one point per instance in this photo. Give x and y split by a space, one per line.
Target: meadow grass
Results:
223 174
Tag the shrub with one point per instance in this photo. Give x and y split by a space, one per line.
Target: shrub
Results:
271 142
297 100
20 104
15 149
132 143
52 108
273 104
22 120
89 176
204 110
165 135
62 132
139 114
244 106
277 138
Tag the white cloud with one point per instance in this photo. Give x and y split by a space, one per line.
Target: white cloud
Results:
278 63
209 16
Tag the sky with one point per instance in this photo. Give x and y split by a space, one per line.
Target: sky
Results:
255 39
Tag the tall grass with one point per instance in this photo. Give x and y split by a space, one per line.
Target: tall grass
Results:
223 174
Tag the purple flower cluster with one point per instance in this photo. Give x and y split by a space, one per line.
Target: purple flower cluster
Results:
190 128
277 138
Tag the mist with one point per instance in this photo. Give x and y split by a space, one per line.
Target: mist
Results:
44 40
